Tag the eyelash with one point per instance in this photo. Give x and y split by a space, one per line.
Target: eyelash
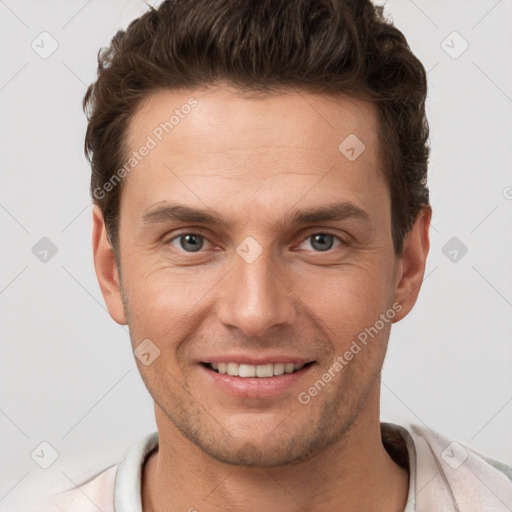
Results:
341 241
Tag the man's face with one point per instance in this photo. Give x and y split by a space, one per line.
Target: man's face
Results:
257 287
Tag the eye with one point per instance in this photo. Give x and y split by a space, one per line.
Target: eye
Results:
194 242
188 242
323 242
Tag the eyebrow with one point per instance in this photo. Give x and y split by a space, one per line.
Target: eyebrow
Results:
166 212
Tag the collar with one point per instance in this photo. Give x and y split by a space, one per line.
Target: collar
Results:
127 490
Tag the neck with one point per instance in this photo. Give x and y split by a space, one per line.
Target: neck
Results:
354 473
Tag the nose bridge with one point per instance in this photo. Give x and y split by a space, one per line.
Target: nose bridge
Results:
257 298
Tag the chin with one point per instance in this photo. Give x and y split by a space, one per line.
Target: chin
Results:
252 455
291 445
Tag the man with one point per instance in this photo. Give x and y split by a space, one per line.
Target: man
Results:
261 219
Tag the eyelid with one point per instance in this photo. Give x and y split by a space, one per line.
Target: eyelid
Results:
343 236
326 231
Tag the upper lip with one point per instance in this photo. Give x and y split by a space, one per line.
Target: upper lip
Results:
256 359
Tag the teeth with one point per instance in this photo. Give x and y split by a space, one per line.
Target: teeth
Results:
232 369
278 369
288 368
250 370
265 370
247 370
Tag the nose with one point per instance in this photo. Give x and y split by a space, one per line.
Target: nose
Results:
256 296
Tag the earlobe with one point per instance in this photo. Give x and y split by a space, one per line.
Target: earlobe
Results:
413 261
106 268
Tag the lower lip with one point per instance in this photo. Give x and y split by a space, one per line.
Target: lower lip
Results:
255 387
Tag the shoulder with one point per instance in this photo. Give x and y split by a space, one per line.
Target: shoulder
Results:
119 484
90 496
458 473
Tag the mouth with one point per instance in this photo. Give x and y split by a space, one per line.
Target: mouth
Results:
255 371
270 378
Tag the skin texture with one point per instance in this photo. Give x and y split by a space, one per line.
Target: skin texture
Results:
255 162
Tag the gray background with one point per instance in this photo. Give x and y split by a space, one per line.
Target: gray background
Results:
67 372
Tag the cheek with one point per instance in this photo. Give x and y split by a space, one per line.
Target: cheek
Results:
164 304
347 310
347 300
154 286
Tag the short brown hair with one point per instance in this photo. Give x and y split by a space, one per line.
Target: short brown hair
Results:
320 46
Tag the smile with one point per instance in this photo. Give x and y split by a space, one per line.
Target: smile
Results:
250 370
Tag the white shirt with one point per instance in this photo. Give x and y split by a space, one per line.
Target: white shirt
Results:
444 476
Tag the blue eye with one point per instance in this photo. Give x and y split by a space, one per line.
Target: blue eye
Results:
190 242
194 242
322 242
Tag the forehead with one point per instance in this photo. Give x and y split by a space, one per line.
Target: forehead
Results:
217 142
223 119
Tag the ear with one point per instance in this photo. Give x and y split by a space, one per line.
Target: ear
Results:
412 263
106 268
